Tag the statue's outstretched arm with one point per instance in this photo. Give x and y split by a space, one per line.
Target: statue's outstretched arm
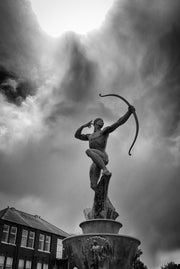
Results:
134 113
119 122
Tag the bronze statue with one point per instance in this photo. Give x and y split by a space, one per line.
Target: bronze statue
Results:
97 143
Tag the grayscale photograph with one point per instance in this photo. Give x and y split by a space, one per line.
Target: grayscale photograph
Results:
89 134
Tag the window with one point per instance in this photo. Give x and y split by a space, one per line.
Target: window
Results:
59 249
2 258
22 264
47 243
45 266
6 262
31 239
28 264
9 234
27 239
24 238
41 265
41 242
12 235
9 262
44 243
5 234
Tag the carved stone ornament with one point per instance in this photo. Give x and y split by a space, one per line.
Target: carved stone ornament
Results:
96 251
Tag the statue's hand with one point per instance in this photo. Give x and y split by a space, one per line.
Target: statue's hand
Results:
88 124
131 109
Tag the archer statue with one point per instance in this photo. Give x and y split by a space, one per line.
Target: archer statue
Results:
98 141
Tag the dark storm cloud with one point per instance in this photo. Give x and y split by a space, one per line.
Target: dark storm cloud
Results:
20 42
165 54
157 203
150 19
5 74
156 25
20 50
15 89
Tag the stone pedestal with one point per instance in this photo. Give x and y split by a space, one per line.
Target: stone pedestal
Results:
100 246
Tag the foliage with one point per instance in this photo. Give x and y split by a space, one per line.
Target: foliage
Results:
140 265
171 265
137 264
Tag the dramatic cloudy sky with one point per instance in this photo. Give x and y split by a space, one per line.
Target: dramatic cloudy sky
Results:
49 87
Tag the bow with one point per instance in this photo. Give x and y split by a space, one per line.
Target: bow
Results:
135 117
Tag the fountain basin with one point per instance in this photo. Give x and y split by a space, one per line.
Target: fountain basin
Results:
100 226
109 251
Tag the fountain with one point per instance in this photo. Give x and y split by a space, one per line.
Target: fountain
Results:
100 246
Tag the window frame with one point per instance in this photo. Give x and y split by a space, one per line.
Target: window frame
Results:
47 243
9 234
41 241
27 238
11 263
25 264
3 258
46 265
42 264
6 258
31 238
59 248
44 243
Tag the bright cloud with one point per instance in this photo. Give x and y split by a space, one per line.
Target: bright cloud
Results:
80 16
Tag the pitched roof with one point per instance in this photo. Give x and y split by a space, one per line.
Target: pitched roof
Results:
33 221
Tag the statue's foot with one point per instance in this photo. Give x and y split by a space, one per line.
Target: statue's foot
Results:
106 173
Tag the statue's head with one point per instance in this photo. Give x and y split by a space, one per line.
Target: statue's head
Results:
99 122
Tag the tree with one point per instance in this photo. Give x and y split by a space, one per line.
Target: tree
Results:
171 265
137 264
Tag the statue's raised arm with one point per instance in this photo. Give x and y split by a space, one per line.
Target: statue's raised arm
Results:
134 113
120 121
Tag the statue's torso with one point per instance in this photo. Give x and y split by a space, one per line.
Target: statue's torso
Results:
98 140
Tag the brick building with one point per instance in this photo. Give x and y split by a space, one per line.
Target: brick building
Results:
29 242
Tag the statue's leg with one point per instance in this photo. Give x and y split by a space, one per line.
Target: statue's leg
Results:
95 172
99 159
